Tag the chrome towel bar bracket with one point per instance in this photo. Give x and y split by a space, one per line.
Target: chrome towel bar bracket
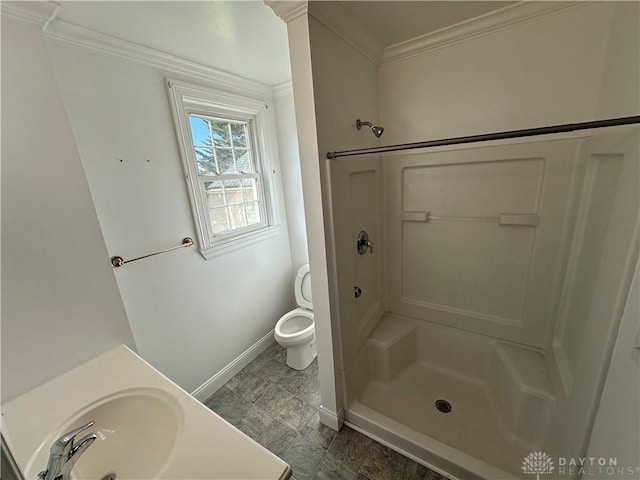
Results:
118 261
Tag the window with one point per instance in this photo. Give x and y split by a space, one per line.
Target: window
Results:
224 143
227 173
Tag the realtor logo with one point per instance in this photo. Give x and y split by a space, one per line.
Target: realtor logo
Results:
537 463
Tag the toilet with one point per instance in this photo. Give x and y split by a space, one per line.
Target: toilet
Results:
296 330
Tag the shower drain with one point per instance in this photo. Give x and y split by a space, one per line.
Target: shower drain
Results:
443 406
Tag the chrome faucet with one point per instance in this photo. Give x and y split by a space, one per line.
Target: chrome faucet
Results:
65 452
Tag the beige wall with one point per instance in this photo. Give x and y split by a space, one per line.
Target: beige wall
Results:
333 85
615 432
291 178
543 72
535 74
346 88
617 423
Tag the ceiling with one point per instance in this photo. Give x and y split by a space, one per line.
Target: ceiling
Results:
246 38
392 22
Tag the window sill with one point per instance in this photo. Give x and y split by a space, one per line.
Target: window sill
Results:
223 247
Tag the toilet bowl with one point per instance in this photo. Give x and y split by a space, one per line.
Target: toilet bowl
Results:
296 330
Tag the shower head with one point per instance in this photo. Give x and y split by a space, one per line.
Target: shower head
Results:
377 131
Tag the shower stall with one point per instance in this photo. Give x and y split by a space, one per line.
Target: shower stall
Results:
472 327
487 312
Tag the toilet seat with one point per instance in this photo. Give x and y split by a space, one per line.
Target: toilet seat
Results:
295 327
295 330
302 288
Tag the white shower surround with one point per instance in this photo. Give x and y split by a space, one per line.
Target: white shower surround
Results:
538 397
530 74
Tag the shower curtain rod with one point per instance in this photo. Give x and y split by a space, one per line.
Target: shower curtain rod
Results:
527 132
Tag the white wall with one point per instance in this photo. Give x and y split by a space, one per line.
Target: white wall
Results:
61 304
291 177
190 317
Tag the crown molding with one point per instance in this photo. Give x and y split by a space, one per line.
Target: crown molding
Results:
70 34
504 18
288 10
336 19
282 89
333 17
31 12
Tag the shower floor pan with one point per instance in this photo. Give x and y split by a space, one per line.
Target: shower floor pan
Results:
501 403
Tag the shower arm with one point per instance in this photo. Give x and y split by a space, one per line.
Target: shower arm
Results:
377 131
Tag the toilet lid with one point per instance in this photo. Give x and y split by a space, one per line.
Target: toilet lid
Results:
302 288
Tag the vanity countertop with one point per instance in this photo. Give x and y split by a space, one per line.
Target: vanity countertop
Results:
206 446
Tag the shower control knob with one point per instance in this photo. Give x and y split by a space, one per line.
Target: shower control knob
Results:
363 243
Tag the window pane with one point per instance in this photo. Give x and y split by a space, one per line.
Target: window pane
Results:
250 190
239 134
225 160
206 161
219 222
236 214
243 160
215 194
223 147
232 183
220 132
199 131
234 191
253 213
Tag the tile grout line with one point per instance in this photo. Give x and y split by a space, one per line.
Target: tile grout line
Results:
267 382
313 477
364 459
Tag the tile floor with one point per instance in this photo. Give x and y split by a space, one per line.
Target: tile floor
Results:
278 407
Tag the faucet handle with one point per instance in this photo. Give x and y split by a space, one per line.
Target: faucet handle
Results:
65 442
75 453
63 453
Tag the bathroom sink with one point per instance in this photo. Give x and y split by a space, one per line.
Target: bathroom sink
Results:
146 427
137 431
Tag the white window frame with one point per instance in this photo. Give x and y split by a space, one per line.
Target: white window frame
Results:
186 100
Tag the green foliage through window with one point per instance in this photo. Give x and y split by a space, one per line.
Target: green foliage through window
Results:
223 149
222 146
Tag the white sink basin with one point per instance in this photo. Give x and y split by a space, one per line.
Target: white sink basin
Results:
147 427
137 431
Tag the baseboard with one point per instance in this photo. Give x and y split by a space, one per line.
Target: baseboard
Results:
210 387
331 419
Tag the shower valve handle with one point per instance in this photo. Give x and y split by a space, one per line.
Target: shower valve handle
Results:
363 243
